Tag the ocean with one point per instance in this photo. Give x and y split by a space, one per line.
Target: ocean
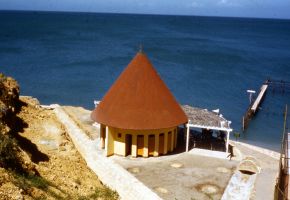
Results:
207 62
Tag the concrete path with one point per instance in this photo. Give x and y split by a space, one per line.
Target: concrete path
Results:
240 187
269 163
109 172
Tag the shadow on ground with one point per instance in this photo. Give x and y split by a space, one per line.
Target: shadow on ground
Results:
28 183
197 141
17 125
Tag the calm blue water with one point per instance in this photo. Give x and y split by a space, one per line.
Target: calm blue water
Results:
73 58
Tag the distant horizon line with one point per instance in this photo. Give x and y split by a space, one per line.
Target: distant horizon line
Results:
154 14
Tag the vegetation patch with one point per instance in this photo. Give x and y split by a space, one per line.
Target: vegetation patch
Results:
101 193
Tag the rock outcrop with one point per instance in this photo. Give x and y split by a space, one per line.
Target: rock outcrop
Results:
9 100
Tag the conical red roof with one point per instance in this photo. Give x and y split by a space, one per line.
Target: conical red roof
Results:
139 100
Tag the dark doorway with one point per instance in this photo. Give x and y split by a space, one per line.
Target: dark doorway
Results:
103 136
151 145
175 139
161 144
128 141
140 145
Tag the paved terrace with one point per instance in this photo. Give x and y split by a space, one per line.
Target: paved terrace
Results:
179 176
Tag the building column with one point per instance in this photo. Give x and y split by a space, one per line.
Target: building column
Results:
165 143
187 137
227 142
145 149
134 145
107 141
172 140
175 137
156 148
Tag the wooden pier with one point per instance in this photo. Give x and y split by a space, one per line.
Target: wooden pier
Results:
259 98
253 108
275 85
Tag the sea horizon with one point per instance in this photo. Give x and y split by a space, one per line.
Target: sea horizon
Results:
146 14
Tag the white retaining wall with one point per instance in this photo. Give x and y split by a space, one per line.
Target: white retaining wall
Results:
267 152
109 172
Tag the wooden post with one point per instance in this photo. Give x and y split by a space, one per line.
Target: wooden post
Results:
187 137
227 142
107 141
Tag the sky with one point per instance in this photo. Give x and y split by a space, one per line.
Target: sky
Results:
234 8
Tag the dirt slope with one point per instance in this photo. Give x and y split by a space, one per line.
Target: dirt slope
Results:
51 166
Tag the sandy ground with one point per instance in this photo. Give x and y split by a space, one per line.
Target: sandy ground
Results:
63 172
